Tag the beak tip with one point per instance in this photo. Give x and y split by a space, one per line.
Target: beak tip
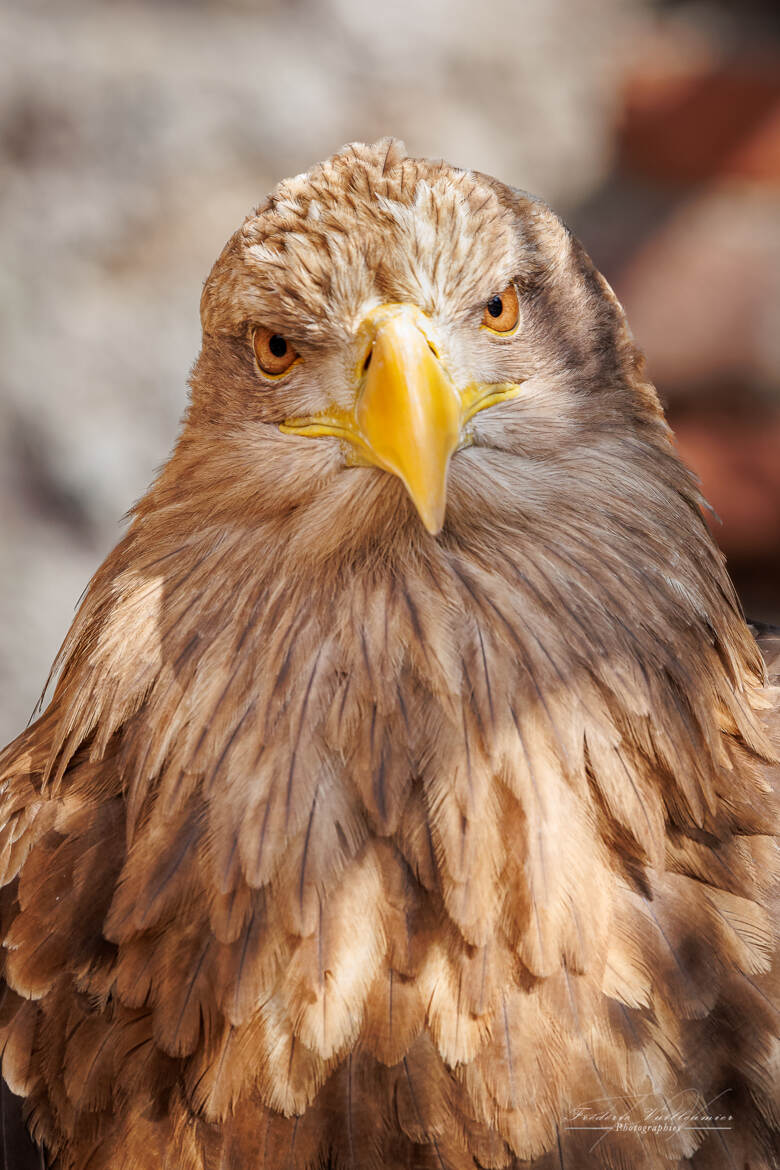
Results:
433 522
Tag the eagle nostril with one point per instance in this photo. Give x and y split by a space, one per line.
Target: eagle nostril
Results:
367 362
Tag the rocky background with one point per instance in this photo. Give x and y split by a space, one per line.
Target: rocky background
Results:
134 136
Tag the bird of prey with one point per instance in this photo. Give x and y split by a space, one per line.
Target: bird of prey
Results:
404 799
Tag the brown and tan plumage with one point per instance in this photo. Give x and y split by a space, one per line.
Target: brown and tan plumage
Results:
405 791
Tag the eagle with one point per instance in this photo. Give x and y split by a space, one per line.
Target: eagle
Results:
405 795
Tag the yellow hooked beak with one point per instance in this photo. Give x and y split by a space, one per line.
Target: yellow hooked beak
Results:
408 417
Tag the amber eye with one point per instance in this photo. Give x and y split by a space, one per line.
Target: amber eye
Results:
274 353
502 311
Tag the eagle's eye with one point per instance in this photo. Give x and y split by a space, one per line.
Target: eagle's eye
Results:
273 352
502 311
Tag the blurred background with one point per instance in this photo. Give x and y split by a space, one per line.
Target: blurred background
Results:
136 134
